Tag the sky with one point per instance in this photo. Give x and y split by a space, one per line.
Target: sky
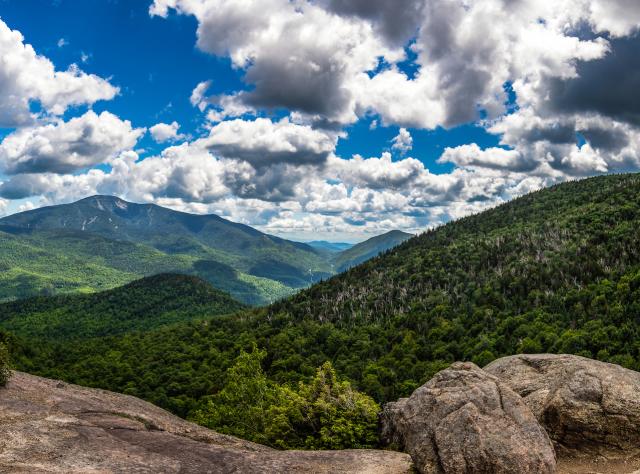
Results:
314 119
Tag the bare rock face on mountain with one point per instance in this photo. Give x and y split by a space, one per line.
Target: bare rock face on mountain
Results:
466 421
585 405
49 426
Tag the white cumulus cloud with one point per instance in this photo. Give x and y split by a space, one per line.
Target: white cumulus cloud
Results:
64 147
164 132
262 142
27 77
403 141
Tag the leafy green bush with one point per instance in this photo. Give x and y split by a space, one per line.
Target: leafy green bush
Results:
325 414
5 368
335 416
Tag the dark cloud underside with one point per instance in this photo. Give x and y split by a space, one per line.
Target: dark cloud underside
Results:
608 86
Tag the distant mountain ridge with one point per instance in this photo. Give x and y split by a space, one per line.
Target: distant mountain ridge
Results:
113 217
332 247
102 242
368 249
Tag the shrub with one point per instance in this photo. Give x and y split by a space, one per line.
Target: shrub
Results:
335 416
325 414
5 366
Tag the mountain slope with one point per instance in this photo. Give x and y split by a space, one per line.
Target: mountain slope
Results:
330 247
68 261
101 242
555 271
169 231
512 258
368 249
142 305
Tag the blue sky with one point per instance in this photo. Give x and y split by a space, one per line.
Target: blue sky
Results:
291 92
156 64
153 61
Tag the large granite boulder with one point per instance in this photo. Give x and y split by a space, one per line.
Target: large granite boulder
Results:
585 405
465 420
48 426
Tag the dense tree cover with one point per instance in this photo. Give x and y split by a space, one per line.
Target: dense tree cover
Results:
65 261
555 271
324 414
139 306
176 366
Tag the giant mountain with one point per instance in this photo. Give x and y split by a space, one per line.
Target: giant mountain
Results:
102 242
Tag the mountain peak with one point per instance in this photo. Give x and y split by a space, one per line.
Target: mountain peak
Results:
397 232
253 266
102 197
102 202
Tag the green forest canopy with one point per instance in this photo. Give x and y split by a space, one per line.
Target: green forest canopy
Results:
555 271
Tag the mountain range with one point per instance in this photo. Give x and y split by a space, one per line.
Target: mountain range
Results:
555 271
102 242
329 247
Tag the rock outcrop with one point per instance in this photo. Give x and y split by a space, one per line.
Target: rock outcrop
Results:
50 426
465 420
585 405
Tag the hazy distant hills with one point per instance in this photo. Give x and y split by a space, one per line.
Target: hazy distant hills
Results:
331 247
368 249
102 242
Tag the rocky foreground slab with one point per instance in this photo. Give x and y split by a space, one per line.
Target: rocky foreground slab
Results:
524 414
50 426
590 409
585 405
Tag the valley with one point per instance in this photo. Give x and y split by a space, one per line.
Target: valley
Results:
555 271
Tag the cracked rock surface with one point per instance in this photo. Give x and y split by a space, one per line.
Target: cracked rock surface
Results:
50 426
465 420
585 405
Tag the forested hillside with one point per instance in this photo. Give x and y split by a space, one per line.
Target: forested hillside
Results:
139 306
525 255
555 271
